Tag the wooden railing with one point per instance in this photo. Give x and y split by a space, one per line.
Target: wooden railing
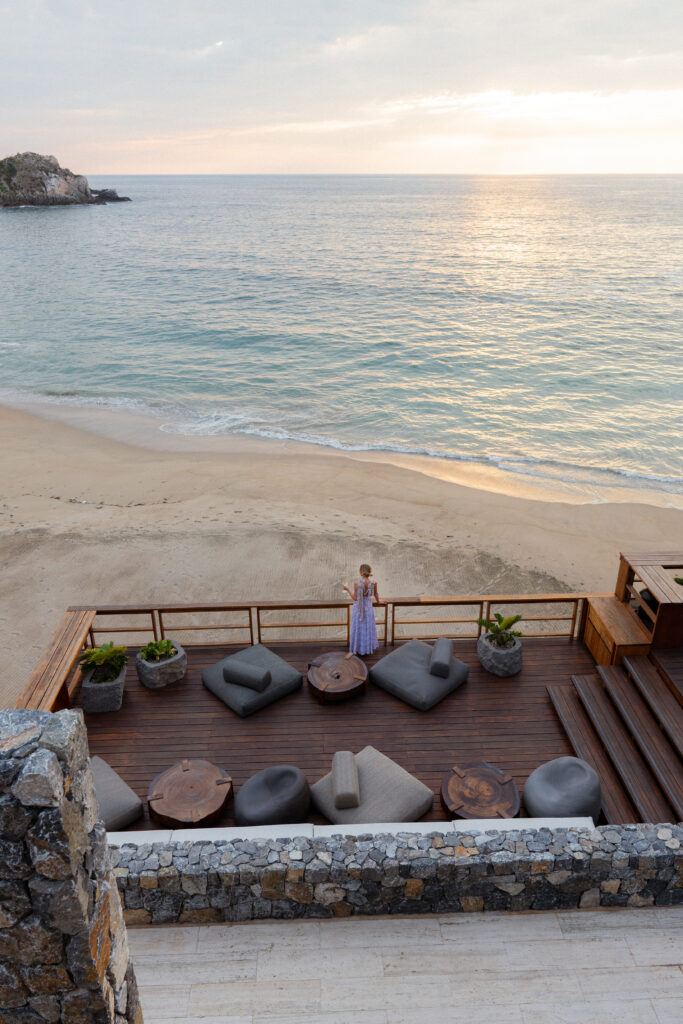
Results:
398 619
283 622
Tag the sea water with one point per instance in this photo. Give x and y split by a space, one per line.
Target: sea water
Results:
534 324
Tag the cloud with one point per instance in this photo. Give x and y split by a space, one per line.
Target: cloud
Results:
194 54
554 111
206 51
375 38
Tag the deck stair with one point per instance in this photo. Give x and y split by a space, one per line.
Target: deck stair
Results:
669 662
634 773
647 733
627 723
616 805
660 698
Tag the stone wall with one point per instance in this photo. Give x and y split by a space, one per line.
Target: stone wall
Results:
529 869
63 946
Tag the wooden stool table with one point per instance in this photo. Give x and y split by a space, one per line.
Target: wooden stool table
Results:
337 676
192 792
479 790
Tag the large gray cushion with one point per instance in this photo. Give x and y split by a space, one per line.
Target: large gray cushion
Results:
345 784
243 700
564 788
387 793
119 805
405 673
275 795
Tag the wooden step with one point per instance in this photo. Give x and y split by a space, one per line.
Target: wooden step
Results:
662 759
616 806
632 770
659 696
669 661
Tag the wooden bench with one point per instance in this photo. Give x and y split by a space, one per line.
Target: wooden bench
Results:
49 688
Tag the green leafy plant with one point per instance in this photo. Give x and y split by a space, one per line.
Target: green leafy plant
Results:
107 661
679 580
156 650
501 633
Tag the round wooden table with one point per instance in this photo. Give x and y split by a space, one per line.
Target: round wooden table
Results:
192 792
337 676
479 790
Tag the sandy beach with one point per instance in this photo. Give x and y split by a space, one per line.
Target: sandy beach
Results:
89 518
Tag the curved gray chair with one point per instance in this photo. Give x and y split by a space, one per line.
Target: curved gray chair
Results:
564 788
273 797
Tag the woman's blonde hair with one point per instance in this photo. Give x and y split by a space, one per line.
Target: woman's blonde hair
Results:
365 570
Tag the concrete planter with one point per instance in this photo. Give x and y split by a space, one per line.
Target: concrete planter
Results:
499 661
100 697
157 674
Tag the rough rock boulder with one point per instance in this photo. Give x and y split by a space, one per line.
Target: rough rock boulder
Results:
29 179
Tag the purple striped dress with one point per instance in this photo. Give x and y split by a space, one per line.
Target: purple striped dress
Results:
363 629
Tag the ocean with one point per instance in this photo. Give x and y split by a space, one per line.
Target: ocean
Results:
530 324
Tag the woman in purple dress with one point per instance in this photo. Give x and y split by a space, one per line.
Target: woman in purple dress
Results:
363 638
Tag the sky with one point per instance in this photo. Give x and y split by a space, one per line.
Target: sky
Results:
344 86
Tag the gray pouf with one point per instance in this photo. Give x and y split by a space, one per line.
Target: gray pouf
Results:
272 797
564 788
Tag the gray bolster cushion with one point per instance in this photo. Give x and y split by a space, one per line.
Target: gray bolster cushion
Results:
242 674
441 657
345 784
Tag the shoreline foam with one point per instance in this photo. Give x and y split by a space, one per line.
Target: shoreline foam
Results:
139 426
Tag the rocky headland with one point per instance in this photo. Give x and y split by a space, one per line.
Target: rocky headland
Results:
29 179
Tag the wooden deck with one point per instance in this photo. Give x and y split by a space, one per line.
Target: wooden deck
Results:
508 722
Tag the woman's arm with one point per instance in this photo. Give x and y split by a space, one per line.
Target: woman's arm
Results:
379 599
352 593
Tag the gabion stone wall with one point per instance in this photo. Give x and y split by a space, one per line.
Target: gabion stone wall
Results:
631 865
63 945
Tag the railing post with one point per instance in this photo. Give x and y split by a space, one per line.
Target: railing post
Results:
154 624
573 622
258 624
251 626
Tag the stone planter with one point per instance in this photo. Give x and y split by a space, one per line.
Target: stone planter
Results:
157 674
98 697
500 661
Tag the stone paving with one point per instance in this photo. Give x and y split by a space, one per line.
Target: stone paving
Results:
567 967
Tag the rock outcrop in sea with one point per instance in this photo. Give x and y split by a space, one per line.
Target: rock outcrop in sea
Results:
29 179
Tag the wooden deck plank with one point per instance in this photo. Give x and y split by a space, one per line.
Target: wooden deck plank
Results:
509 722
643 791
669 661
660 756
616 806
659 696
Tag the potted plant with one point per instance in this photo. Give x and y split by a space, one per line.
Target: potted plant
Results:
103 681
499 648
159 663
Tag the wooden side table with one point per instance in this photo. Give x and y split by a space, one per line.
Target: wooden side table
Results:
191 792
479 790
336 676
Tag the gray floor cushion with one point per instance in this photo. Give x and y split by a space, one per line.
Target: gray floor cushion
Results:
119 805
387 793
564 788
273 796
243 700
405 674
